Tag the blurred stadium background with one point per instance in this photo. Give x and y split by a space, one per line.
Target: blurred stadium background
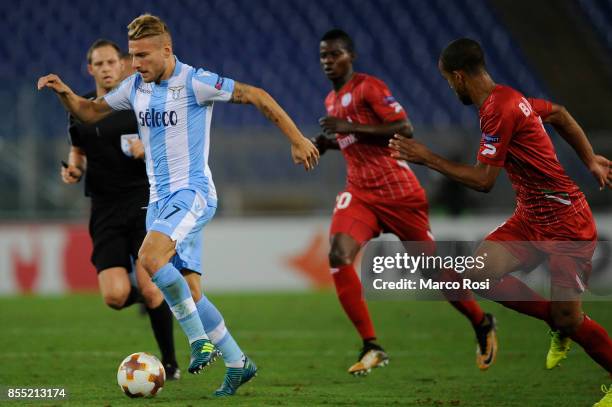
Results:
558 49
270 232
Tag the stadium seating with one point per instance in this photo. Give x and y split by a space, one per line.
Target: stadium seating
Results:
274 44
599 14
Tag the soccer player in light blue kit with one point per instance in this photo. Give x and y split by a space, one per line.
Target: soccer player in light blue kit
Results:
173 104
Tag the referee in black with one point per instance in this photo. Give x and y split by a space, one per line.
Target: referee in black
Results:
110 154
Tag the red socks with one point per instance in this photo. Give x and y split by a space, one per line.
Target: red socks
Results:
514 294
595 341
470 309
590 335
462 300
350 294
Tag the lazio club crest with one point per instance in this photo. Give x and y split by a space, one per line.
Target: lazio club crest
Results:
176 91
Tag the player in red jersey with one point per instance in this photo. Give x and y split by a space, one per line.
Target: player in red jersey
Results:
552 221
382 193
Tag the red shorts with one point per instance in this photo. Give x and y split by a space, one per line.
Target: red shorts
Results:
364 219
567 247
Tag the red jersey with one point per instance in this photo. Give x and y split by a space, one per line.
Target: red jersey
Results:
370 169
514 137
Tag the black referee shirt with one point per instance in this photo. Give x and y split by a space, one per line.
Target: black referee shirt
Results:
110 172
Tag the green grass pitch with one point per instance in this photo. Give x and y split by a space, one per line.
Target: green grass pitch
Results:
303 345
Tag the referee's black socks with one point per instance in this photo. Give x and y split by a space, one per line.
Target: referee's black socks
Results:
161 322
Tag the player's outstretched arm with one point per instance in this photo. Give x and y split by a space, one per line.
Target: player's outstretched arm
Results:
302 149
333 125
480 177
87 111
568 128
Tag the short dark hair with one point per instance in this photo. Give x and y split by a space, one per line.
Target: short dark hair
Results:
337 34
463 54
99 43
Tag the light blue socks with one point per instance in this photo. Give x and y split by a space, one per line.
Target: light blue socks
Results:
219 335
178 296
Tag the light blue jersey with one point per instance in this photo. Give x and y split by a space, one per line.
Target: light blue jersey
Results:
174 125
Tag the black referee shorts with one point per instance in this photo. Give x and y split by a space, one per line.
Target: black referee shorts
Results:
117 229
